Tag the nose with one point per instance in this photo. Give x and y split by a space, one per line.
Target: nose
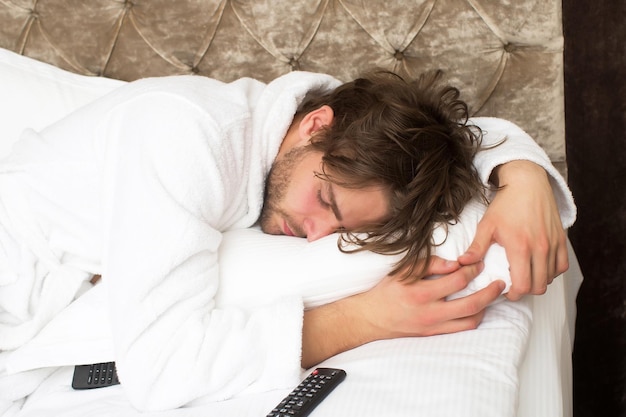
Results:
318 228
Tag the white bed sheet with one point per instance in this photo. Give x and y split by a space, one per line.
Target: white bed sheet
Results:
465 374
461 374
546 373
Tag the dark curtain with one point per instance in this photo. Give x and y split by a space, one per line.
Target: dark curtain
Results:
595 111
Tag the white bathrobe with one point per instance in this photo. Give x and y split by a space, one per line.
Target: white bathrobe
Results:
138 187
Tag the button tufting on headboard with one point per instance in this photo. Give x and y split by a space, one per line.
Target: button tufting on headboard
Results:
294 64
509 47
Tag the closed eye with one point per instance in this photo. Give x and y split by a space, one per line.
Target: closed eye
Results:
321 200
332 204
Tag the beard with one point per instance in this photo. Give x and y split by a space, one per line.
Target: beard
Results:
276 186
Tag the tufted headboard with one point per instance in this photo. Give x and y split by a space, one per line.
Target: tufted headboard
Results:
505 56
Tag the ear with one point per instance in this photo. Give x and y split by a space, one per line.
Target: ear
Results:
314 121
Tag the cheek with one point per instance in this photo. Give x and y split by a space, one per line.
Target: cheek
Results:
300 199
301 193
301 196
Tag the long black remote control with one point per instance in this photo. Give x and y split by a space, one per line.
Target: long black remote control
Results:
311 391
96 375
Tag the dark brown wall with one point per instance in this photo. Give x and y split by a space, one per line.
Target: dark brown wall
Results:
595 109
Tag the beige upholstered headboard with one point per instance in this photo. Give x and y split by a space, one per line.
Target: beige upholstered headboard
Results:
506 56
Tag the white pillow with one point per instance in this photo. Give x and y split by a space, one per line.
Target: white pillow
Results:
34 94
257 268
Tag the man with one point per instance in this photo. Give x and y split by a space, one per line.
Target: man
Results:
385 126
138 187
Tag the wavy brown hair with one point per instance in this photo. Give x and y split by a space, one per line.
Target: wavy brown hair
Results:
411 137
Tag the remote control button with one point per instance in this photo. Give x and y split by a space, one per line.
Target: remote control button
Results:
309 393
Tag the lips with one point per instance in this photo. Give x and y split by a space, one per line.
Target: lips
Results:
286 229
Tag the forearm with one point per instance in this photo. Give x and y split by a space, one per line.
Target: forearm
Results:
520 171
504 143
394 309
331 329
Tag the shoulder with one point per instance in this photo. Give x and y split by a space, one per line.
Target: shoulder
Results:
495 124
189 91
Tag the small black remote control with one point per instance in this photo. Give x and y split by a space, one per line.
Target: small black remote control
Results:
311 391
96 375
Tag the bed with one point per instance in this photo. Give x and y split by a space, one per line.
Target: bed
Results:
506 58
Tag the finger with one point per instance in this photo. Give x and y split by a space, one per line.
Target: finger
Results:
539 275
552 261
449 284
439 266
543 265
521 271
456 325
559 262
479 246
540 266
562 258
469 305
436 266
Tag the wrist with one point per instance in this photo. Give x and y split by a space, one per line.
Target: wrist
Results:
333 328
516 171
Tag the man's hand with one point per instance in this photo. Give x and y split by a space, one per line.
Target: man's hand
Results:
524 219
396 308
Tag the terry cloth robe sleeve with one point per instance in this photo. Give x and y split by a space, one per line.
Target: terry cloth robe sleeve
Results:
515 144
174 178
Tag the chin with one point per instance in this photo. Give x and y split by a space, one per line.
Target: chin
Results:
270 227
274 232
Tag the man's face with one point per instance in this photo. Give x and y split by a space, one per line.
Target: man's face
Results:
298 203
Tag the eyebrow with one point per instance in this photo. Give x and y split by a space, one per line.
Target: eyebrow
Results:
333 202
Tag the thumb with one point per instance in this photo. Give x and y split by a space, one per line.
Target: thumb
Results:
440 266
478 249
